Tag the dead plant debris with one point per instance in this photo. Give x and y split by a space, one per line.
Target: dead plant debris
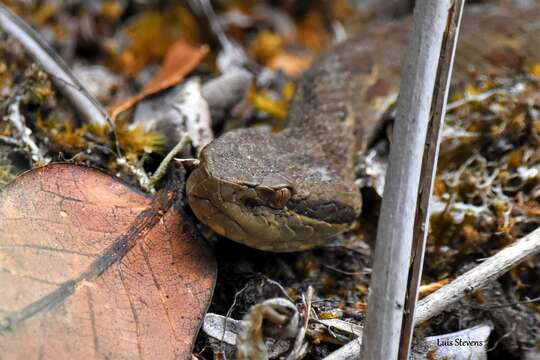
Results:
487 190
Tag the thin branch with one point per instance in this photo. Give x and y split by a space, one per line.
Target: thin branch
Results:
164 165
234 54
395 230
349 273
88 107
6 140
478 277
299 349
17 120
229 313
427 175
521 302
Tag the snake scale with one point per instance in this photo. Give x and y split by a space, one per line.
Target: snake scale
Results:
295 189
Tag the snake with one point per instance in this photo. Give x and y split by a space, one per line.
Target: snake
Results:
295 189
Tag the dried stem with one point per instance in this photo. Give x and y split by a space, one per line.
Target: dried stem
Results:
428 170
16 119
164 165
478 277
395 230
88 107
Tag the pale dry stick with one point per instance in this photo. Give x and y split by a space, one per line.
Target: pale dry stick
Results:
234 53
467 99
6 140
16 119
299 348
381 338
429 167
476 278
482 274
52 64
136 170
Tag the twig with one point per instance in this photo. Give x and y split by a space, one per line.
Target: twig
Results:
16 119
299 349
229 313
164 165
279 286
349 273
528 301
51 63
6 140
137 171
395 230
474 98
427 172
509 333
234 54
476 278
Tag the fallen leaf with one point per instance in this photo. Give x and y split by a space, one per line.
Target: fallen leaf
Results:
180 60
90 268
290 63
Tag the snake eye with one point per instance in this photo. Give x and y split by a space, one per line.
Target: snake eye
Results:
280 198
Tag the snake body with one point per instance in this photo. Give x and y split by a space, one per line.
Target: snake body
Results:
295 189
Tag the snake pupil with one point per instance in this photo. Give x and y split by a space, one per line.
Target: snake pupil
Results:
281 197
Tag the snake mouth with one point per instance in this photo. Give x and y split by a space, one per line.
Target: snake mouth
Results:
332 212
233 211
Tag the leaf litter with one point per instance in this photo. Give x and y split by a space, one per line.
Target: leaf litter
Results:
486 193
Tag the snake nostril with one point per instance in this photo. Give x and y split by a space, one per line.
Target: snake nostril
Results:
251 203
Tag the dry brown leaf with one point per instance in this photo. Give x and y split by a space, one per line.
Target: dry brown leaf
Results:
90 268
291 64
180 60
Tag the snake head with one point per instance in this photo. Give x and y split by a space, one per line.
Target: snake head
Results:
262 190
